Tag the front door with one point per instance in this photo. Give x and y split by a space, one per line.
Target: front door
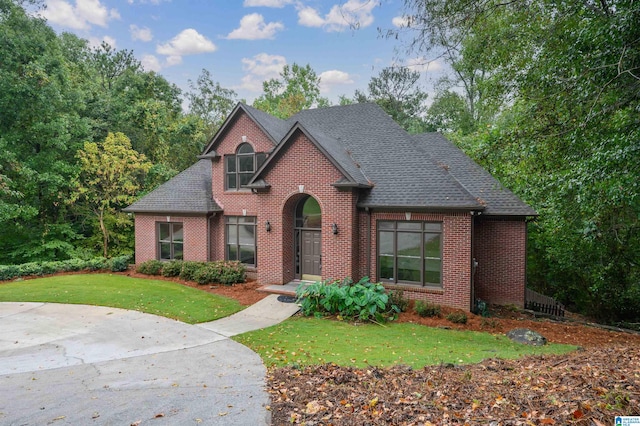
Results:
310 254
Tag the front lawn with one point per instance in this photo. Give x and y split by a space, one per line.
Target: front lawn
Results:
151 296
306 341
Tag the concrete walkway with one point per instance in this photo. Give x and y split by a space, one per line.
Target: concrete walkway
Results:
78 364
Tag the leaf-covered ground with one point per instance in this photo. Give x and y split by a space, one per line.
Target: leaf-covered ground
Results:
587 387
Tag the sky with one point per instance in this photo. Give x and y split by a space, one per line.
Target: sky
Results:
245 42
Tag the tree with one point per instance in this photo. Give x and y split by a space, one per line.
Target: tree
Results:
397 91
112 63
210 101
449 113
297 88
110 178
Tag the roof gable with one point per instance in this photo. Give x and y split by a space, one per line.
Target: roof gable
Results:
273 127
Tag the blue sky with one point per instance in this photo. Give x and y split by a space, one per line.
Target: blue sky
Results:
245 42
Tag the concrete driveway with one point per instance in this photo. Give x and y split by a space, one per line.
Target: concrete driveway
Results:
84 365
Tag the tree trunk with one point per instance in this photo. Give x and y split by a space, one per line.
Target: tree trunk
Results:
105 235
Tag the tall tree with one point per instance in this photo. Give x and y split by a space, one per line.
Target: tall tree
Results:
110 177
297 88
210 101
397 90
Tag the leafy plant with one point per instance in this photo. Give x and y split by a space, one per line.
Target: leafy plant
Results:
189 269
426 309
363 300
226 273
396 297
150 267
172 268
457 317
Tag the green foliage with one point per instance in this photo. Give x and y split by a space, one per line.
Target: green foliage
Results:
223 272
297 88
150 267
210 101
189 270
363 300
119 264
426 309
116 264
457 317
396 298
172 268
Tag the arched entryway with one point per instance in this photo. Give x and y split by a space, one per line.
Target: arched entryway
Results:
308 239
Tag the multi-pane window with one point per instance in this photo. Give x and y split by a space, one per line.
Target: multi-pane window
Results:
410 252
241 239
239 168
170 241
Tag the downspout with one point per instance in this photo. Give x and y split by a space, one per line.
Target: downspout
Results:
369 242
474 262
209 236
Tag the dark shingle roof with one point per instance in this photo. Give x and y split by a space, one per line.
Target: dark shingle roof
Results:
498 199
187 192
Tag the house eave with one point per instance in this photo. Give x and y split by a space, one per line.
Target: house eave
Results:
171 212
210 155
426 209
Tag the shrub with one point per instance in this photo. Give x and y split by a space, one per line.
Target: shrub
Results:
457 317
232 272
363 300
426 309
189 269
31 268
72 265
120 263
150 267
396 297
96 264
172 268
8 272
220 272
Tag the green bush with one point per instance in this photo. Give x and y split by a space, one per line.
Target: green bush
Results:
72 265
189 269
31 268
96 264
120 263
220 272
457 317
8 272
172 268
150 267
426 309
363 300
396 297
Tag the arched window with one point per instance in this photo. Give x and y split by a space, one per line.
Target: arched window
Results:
239 168
308 213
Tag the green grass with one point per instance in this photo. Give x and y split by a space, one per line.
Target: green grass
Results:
151 296
306 341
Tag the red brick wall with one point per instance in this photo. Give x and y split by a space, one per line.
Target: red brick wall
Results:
500 249
456 257
195 236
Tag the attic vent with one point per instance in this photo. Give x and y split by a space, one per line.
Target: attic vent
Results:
443 165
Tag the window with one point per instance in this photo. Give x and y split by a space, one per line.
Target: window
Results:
240 168
410 252
241 239
170 241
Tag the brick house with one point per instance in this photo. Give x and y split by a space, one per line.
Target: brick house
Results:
342 192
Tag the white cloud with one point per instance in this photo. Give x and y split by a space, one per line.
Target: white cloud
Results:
352 14
143 34
266 3
331 78
79 16
151 63
400 21
261 67
253 27
309 17
95 42
421 64
188 42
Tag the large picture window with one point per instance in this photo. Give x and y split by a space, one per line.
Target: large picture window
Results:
241 239
410 252
239 168
170 241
